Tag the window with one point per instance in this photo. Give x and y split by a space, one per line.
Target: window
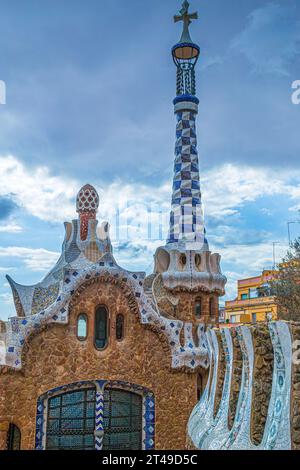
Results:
254 317
198 261
120 327
244 296
71 421
122 420
198 308
13 437
101 328
253 294
82 327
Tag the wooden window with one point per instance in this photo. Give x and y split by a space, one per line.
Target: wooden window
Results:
120 327
101 328
13 437
82 327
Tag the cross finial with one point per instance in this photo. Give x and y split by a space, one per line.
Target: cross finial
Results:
187 18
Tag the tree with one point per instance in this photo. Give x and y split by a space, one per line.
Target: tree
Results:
286 285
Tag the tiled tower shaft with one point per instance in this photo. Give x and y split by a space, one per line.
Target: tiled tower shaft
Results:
186 220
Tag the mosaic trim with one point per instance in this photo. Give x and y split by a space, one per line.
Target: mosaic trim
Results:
213 434
20 329
100 385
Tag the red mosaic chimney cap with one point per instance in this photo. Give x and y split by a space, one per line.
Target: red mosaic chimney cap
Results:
87 199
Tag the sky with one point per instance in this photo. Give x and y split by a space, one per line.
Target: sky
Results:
89 90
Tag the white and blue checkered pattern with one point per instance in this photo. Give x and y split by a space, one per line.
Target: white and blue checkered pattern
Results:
186 219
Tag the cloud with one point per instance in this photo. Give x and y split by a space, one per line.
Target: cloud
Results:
33 259
226 189
271 39
36 190
7 206
11 228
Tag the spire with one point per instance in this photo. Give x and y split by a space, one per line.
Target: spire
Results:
186 218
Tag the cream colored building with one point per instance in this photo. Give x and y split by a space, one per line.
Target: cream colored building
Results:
254 302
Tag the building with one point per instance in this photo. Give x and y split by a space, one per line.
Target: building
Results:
98 357
254 302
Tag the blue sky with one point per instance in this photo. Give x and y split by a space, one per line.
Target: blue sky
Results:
90 86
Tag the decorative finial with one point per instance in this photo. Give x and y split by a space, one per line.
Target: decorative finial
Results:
187 18
87 203
87 199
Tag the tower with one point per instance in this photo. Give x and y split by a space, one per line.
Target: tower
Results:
185 262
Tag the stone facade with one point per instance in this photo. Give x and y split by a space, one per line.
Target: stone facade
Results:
56 357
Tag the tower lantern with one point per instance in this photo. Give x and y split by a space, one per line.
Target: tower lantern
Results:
185 54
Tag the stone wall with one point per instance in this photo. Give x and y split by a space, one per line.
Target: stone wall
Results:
221 374
236 378
295 407
262 380
56 357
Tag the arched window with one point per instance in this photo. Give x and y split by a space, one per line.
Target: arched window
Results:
198 308
82 327
13 437
120 327
101 328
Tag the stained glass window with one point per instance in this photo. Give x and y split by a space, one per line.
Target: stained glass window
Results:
122 420
101 327
13 437
71 421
